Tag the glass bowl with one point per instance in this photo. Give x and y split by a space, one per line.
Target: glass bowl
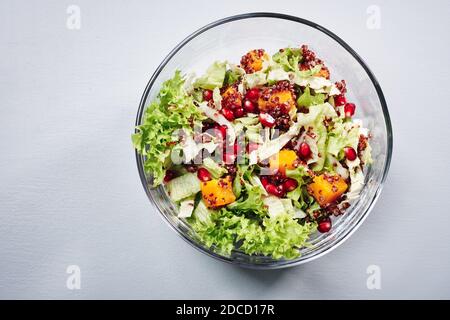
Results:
228 39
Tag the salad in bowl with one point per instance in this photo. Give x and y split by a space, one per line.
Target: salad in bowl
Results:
259 154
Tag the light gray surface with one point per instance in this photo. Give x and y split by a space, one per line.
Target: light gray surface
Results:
69 189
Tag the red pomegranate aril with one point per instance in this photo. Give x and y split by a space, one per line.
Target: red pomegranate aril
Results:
266 120
203 175
264 181
249 106
252 147
228 114
281 189
349 109
252 94
233 106
290 185
207 95
169 176
239 112
304 150
223 130
273 190
350 153
339 100
324 225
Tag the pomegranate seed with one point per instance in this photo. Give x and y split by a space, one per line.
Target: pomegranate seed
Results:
324 225
290 184
281 190
304 150
223 130
249 106
264 181
252 94
239 112
169 176
266 120
339 100
228 114
252 147
203 175
350 153
233 106
272 189
349 109
207 95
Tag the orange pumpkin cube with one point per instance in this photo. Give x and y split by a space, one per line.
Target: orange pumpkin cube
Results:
279 98
217 192
252 61
285 159
324 73
231 98
327 188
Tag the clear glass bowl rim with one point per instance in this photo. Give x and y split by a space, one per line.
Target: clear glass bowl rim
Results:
286 263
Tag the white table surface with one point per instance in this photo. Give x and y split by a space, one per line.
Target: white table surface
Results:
70 193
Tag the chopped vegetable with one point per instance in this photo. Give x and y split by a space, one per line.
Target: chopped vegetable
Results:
214 168
270 99
217 192
186 208
327 188
183 187
285 159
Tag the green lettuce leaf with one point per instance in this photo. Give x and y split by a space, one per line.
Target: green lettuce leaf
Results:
288 59
300 196
231 77
279 237
255 79
214 168
250 200
214 76
173 109
314 119
218 229
341 135
307 100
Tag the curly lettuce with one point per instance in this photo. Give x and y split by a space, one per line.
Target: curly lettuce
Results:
279 237
249 193
173 109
